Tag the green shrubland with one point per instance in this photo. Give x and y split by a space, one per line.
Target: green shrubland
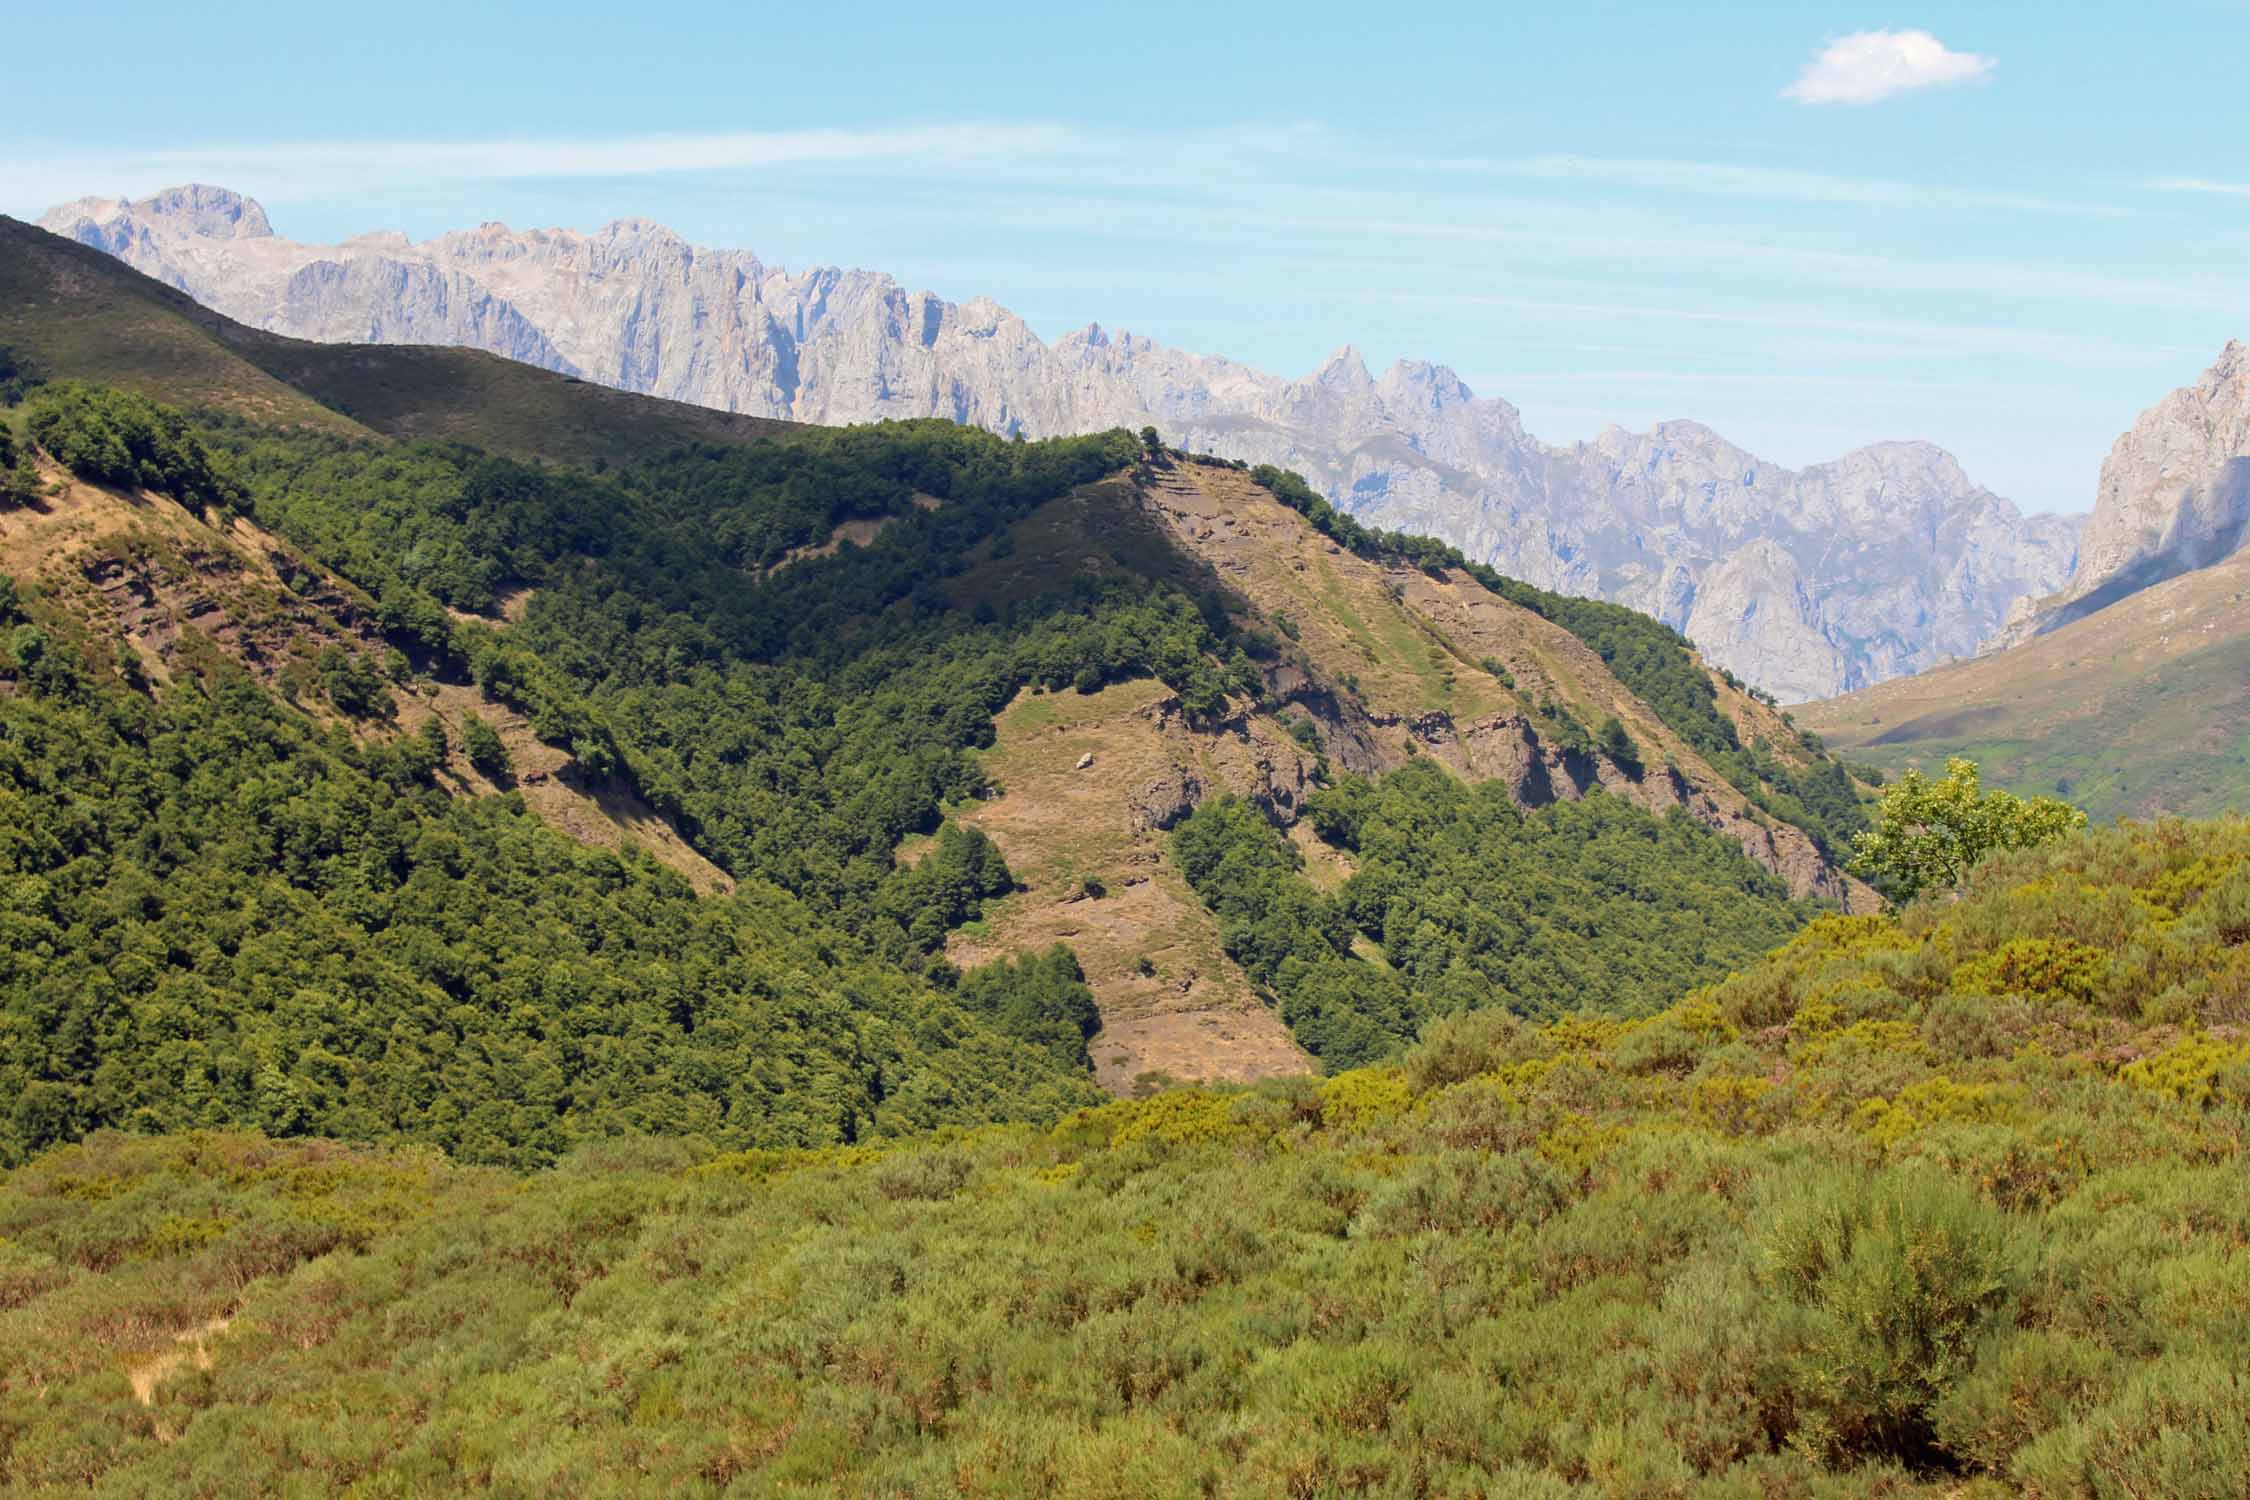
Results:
1877 1215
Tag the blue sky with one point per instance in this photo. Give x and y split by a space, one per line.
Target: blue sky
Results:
1602 212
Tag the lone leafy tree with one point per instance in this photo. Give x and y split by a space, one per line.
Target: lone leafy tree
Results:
1930 834
485 749
1616 742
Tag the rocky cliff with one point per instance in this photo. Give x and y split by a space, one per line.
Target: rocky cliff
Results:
2174 497
1807 582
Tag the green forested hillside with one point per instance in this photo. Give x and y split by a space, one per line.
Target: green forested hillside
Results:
1945 1205
1475 904
798 716
215 913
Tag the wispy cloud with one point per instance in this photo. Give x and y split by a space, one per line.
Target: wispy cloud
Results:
1868 67
996 154
2201 185
1269 191
35 171
1726 179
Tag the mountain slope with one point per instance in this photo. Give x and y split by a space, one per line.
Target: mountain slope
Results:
1884 562
2140 708
866 666
2125 691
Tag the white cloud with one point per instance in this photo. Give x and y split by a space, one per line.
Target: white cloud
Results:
1870 66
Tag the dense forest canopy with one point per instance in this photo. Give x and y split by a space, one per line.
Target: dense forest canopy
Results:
1592 905
215 913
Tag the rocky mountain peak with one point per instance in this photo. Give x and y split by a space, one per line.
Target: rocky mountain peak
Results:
1926 467
195 210
213 212
1422 383
1344 370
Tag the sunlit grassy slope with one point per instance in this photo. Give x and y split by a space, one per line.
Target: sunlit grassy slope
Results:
2139 709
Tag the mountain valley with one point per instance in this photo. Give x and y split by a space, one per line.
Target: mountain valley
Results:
558 938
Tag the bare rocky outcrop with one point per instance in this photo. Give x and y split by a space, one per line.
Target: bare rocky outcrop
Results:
1808 582
2174 498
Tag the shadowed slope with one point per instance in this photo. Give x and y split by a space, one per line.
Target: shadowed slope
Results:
68 309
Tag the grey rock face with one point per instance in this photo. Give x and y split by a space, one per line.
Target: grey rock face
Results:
1808 583
2174 497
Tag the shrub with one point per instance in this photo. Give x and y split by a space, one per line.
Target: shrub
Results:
2024 1383
924 1175
2053 970
2181 1430
1459 1047
1898 1277
2197 1070
1353 1101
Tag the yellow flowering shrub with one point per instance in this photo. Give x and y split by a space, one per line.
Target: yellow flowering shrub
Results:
2045 969
1930 1102
2193 1070
1364 1096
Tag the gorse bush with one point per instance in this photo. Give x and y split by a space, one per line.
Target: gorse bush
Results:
1893 1281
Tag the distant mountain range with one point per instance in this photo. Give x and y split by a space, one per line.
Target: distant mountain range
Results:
1807 583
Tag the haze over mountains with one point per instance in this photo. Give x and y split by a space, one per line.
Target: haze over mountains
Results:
1808 582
